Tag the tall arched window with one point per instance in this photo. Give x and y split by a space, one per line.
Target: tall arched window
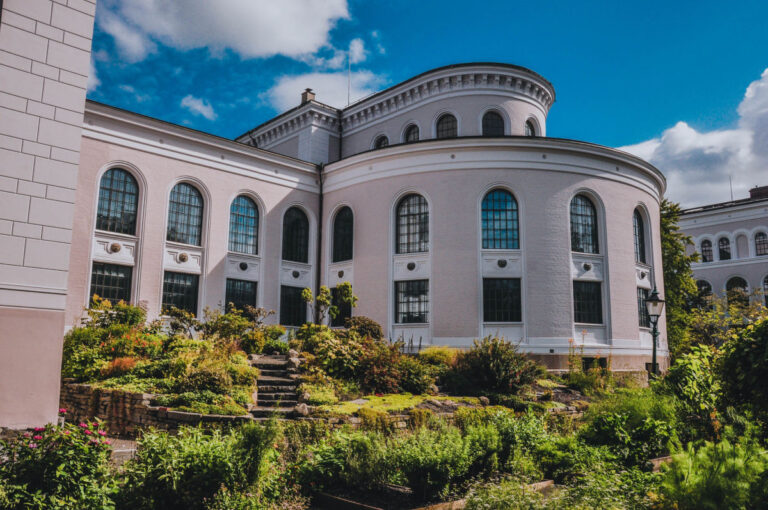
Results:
583 225
295 236
761 244
493 124
381 142
704 298
447 127
639 229
343 235
244 226
500 221
530 129
185 215
706 250
118 202
736 289
724 248
412 228
411 133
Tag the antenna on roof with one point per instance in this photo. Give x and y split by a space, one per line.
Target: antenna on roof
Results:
730 180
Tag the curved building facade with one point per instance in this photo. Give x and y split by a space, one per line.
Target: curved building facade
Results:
441 199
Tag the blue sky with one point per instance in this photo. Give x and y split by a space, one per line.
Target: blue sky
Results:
665 80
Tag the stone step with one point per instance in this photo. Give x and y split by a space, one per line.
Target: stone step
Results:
286 395
257 358
267 411
279 404
270 365
274 381
273 373
277 388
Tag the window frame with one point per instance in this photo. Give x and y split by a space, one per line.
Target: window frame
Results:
284 245
594 284
513 235
729 289
200 231
409 127
256 226
302 309
516 311
424 219
240 281
440 118
640 237
193 277
708 253
345 310
496 113
138 200
337 257
129 287
724 248
765 290
643 319
380 142
761 249
423 306
532 126
595 242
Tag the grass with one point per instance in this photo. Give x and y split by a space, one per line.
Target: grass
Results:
390 403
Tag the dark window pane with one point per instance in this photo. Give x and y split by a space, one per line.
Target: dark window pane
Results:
761 244
530 130
295 236
343 225
111 281
118 202
345 310
583 225
587 303
412 302
704 296
412 227
293 309
501 300
642 310
185 215
493 124
500 222
412 133
765 290
244 226
706 251
639 229
724 248
381 142
180 290
447 126
240 293
736 290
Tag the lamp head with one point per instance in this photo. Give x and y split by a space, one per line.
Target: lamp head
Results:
654 304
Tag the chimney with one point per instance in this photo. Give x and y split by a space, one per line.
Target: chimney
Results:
307 96
759 192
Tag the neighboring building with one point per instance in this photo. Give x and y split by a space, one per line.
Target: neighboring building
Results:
450 212
732 241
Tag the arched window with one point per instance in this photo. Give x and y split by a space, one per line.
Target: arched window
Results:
761 244
244 226
118 202
706 250
530 129
493 124
185 215
737 291
381 142
639 229
583 225
412 228
704 298
724 247
411 133
343 235
295 236
500 221
447 127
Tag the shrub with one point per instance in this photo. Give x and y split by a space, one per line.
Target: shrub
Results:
593 381
378 368
317 395
441 358
365 327
493 364
419 418
104 314
205 402
373 419
118 367
57 467
272 346
565 459
415 376
507 494
745 369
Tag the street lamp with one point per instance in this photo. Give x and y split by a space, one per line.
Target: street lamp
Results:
654 305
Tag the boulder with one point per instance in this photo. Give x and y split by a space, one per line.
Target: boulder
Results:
293 353
302 410
484 401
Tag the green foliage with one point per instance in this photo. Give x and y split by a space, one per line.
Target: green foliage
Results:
205 402
679 286
317 394
104 314
323 306
495 365
439 356
373 419
745 369
717 320
57 468
365 327
415 376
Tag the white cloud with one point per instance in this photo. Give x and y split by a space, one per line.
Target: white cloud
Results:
199 107
331 88
251 28
357 52
698 164
93 79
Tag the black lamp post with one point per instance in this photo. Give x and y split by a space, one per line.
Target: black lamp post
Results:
655 306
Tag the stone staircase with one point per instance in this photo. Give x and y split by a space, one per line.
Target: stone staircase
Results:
277 382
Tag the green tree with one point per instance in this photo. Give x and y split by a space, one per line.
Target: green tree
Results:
679 286
323 303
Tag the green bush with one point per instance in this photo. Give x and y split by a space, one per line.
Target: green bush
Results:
495 365
272 346
745 369
318 394
378 368
58 468
415 376
565 459
365 327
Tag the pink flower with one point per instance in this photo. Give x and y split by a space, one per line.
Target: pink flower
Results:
102 433
66 432
106 441
32 445
27 434
94 441
62 411
95 424
37 438
39 429
84 425
88 432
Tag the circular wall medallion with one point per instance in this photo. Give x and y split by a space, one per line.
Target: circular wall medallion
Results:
411 266
243 266
296 274
115 247
183 257
341 274
501 263
587 266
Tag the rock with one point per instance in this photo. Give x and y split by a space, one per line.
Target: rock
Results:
301 410
484 401
304 397
434 390
294 362
293 353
